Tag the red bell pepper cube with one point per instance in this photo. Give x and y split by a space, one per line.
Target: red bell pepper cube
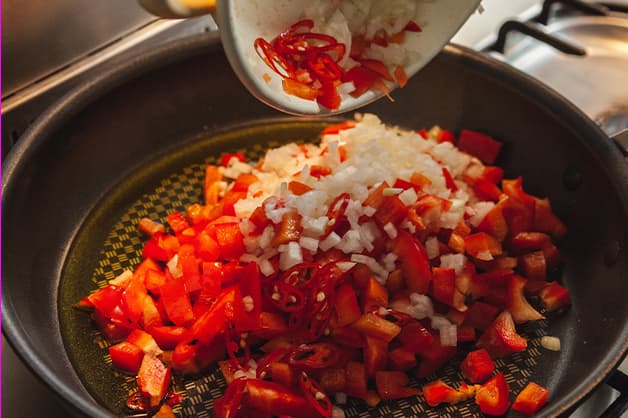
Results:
449 180
401 359
393 385
106 300
133 299
532 398
356 378
346 305
375 354
190 268
501 338
248 318
493 396
126 357
438 392
528 241
517 304
176 301
554 296
243 181
168 336
391 210
348 337
184 358
374 295
113 332
415 337
228 405
333 380
479 145
149 227
533 265
444 288
434 357
414 262
362 78
214 321
481 245
153 379
494 223
229 239
206 247
289 229
151 316
272 398
546 221
480 315
466 333
328 96
144 341
477 366
177 222
373 325
401 77
225 158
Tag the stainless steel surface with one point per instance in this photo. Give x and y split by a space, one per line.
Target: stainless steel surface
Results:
597 82
40 36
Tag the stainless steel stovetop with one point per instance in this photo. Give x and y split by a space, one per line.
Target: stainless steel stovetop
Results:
596 82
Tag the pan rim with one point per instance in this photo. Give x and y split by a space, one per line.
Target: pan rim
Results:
120 72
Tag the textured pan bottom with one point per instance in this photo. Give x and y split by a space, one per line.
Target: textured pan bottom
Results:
109 243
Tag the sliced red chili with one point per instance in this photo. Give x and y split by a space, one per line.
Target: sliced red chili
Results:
227 406
264 363
314 356
315 395
288 298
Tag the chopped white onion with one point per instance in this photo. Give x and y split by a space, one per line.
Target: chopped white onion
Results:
173 266
331 240
432 248
453 261
550 343
448 335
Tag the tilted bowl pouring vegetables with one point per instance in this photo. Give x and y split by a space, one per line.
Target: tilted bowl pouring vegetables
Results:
325 84
106 151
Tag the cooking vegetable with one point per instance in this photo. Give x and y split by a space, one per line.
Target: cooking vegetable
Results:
335 284
532 398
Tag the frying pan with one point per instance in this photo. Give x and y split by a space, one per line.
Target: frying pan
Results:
133 140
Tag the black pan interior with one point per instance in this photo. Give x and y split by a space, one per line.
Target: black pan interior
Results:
104 136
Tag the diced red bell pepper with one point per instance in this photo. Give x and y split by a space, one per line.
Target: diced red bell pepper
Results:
214 321
153 379
532 398
168 336
377 66
153 280
481 245
114 332
401 359
493 396
333 380
229 239
225 158
283 374
356 378
414 262
150 227
415 337
272 398
401 77
546 221
434 357
438 392
133 299
477 366
243 181
152 250
176 301
184 358
444 288
393 385
126 357
177 222
374 295
362 78
271 325
554 296
375 354
228 405
297 188
289 229
479 145
373 325
391 210
501 338
480 315
348 337
346 305
528 241
494 223
144 341
337 127
466 333
151 316
517 304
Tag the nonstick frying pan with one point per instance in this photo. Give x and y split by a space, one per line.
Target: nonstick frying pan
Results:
132 142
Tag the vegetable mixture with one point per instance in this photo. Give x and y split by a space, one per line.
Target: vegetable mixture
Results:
344 47
338 270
